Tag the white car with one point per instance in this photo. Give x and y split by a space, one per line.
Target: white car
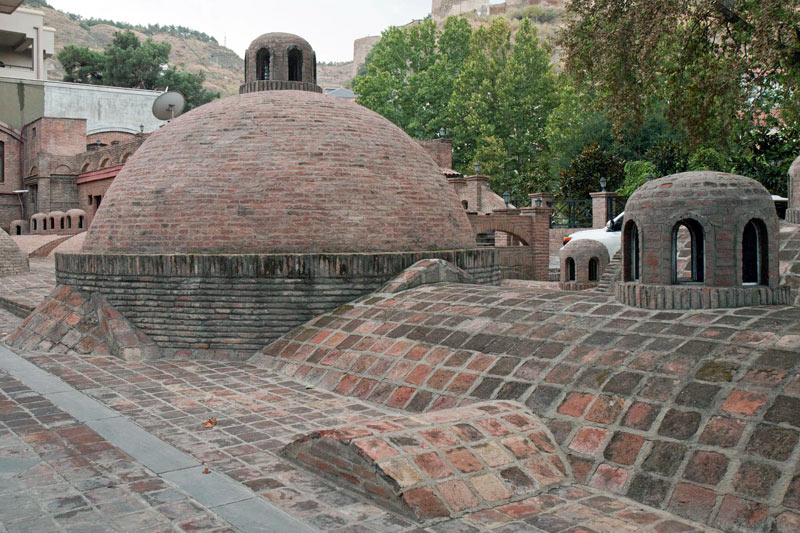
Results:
610 236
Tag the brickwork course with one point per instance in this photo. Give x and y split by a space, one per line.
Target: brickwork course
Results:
12 260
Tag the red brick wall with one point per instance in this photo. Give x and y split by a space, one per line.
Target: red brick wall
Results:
109 137
441 150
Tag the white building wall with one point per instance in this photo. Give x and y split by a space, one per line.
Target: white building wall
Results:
104 108
37 43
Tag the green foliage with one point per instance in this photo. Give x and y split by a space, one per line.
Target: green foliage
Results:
766 154
708 159
38 3
584 174
127 62
668 157
717 63
636 174
492 95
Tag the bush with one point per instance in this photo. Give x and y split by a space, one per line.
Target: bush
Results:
636 173
708 159
668 157
584 174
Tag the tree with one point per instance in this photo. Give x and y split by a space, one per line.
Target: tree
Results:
410 74
584 174
500 106
719 63
128 62
490 93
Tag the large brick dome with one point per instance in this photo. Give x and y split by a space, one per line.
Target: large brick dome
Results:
279 172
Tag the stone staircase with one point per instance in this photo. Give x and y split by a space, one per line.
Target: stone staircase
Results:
610 275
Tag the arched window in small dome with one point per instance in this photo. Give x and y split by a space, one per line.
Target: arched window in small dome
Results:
632 253
69 222
570 266
755 253
295 64
62 222
263 66
35 225
594 267
52 223
695 271
80 222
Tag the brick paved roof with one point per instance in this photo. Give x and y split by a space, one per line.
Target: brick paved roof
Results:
694 412
279 172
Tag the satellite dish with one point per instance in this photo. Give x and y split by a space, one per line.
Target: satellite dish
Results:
169 105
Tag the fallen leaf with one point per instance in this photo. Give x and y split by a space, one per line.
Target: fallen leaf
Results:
206 471
210 423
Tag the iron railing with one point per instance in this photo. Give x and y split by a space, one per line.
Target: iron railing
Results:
571 214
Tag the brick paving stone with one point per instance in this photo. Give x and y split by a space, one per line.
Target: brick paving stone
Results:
60 475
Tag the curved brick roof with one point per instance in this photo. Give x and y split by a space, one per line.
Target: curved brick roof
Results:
279 172
12 260
695 412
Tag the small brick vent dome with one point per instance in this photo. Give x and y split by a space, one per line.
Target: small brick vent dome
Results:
582 264
279 172
730 226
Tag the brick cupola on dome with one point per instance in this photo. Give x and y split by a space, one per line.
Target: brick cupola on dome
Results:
730 228
280 61
251 215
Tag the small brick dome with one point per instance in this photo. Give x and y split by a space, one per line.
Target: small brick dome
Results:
582 264
280 61
12 260
279 172
730 228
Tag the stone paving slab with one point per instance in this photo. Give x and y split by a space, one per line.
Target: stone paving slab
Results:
56 474
209 488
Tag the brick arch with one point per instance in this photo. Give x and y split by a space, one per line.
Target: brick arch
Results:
520 227
62 169
531 227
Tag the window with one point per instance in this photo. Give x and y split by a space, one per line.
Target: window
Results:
570 266
52 223
69 223
19 229
263 65
62 222
695 268
594 267
2 162
80 221
35 225
755 259
632 251
465 204
295 65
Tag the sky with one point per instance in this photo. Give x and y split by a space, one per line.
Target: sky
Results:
330 26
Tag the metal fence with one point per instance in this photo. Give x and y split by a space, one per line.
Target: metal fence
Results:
572 214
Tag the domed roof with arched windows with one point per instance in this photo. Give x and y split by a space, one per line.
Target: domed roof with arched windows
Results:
279 172
280 61
688 236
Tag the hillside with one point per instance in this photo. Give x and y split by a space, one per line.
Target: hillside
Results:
223 68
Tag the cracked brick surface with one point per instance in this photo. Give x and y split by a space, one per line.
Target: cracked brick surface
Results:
654 405
443 463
